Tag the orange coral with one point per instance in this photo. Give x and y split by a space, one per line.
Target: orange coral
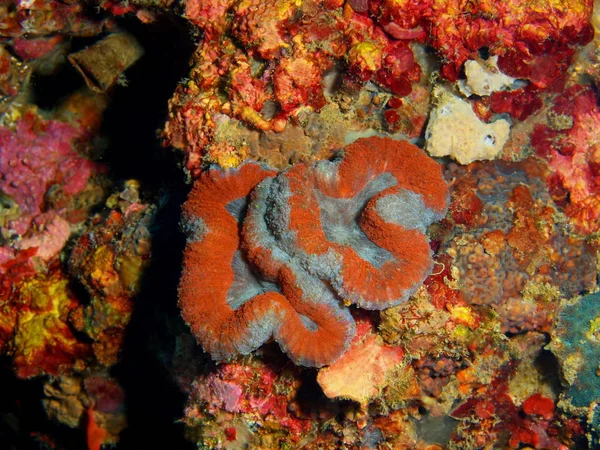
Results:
226 325
357 223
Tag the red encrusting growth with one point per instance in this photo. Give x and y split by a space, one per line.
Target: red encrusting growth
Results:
568 141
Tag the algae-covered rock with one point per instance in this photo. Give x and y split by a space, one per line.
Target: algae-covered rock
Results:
576 344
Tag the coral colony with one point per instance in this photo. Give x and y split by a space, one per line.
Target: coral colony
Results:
390 240
356 223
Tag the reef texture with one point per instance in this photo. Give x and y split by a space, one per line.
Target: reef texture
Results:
280 64
517 257
109 261
569 142
38 162
30 21
34 36
357 222
49 185
484 78
96 400
456 366
51 189
321 256
47 190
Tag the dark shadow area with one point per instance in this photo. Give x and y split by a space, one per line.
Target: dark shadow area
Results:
547 365
49 88
137 111
310 397
154 403
23 421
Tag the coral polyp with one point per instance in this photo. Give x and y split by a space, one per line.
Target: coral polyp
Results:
355 224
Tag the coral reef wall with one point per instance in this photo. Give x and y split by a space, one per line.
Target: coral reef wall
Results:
390 237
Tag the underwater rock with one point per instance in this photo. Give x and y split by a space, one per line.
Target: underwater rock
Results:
514 254
109 261
41 18
96 399
517 31
368 363
568 140
12 76
248 404
43 341
576 344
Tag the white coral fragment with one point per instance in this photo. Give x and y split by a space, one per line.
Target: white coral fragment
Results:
455 130
484 78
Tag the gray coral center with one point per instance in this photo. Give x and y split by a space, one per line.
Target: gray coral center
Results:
340 217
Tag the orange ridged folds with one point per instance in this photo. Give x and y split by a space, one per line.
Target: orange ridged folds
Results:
368 286
222 331
297 306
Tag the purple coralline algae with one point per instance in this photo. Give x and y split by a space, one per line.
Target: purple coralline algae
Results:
38 161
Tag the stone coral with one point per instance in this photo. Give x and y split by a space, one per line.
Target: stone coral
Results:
357 223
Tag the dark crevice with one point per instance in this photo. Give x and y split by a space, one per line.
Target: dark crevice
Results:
136 113
23 421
